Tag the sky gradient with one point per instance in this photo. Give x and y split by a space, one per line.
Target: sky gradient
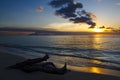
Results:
38 14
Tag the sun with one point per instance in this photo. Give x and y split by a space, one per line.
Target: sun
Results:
98 30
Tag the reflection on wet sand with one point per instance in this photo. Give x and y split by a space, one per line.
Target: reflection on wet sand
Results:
95 70
84 65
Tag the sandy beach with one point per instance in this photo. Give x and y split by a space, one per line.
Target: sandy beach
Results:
8 59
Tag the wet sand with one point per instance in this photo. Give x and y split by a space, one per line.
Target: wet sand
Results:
8 59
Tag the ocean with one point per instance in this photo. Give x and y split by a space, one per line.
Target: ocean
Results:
101 51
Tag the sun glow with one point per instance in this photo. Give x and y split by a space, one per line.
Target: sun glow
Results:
98 30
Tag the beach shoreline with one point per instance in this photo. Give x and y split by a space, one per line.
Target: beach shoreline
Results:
9 59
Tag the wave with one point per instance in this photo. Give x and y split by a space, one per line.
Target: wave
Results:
50 51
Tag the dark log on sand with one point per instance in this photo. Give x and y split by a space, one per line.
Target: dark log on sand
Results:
47 67
33 65
28 62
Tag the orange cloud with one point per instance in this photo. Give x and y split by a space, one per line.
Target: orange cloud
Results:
40 9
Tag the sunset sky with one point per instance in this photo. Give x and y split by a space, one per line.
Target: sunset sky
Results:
38 14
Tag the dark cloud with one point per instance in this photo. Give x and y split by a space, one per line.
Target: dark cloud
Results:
92 16
69 11
102 27
109 28
73 11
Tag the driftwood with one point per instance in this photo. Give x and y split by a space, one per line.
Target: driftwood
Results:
33 65
47 67
28 62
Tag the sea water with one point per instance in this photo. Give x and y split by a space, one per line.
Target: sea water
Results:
77 50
